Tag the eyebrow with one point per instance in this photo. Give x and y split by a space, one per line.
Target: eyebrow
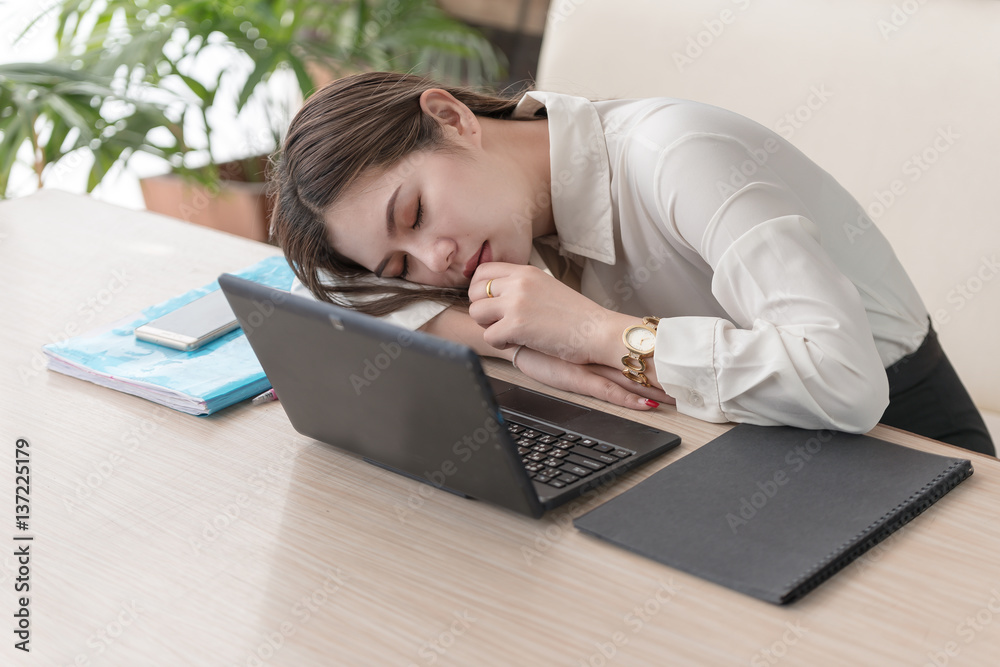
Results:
390 228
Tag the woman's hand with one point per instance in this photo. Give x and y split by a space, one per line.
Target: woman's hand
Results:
594 380
530 307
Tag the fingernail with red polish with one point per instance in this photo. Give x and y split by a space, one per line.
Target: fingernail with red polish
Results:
651 403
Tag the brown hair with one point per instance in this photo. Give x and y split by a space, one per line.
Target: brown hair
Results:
355 124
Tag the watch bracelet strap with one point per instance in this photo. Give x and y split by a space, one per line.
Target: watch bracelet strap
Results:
637 373
636 376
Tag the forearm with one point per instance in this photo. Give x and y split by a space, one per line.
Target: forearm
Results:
608 348
457 325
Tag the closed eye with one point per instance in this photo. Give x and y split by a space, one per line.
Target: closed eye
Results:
416 223
420 214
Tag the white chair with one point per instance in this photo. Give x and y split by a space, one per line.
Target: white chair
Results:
897 99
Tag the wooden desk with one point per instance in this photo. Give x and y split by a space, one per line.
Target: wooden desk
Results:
165 539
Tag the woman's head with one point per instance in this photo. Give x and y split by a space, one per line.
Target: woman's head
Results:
380 146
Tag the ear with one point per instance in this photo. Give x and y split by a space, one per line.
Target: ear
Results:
453 116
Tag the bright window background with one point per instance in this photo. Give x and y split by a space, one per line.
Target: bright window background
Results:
233 137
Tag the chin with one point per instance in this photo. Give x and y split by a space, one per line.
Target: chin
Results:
526 257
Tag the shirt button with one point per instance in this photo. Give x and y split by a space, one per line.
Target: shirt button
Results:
694 398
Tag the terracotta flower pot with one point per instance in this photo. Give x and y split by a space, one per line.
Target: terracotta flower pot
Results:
237 203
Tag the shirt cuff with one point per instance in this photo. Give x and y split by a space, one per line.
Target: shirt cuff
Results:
685 365
411 317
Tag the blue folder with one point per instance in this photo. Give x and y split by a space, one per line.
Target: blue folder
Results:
199 382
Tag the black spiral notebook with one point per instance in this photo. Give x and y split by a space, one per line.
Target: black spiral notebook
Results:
773 511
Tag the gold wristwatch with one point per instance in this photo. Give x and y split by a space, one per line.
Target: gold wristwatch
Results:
640 340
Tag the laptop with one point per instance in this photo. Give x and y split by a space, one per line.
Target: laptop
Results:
421 406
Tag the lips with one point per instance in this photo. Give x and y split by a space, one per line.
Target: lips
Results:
484 255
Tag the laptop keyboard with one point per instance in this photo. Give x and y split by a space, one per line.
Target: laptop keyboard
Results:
558 458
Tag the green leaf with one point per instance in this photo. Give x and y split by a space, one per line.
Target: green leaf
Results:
104 159
206 96
74 117
52 150
123 59
13 138
264 66
306 83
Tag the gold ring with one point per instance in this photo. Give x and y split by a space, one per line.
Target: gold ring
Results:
489 292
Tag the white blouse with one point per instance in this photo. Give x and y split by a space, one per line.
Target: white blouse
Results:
780 301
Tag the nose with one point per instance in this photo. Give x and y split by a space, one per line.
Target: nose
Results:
436 254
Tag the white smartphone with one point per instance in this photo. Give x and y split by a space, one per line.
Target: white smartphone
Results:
192 325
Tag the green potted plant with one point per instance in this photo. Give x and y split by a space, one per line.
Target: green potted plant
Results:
148 47
51 113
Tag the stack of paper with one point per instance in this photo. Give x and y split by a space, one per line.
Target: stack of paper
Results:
199 382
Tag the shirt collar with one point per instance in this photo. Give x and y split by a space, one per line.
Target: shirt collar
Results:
580 172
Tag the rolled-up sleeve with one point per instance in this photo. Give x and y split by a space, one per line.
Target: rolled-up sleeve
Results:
798 349
411 316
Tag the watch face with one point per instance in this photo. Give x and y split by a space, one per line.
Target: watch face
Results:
641 339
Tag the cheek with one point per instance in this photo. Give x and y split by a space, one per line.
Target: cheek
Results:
491 195
470 195
357 243
422 276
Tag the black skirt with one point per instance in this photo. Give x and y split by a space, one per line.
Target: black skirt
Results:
927 397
